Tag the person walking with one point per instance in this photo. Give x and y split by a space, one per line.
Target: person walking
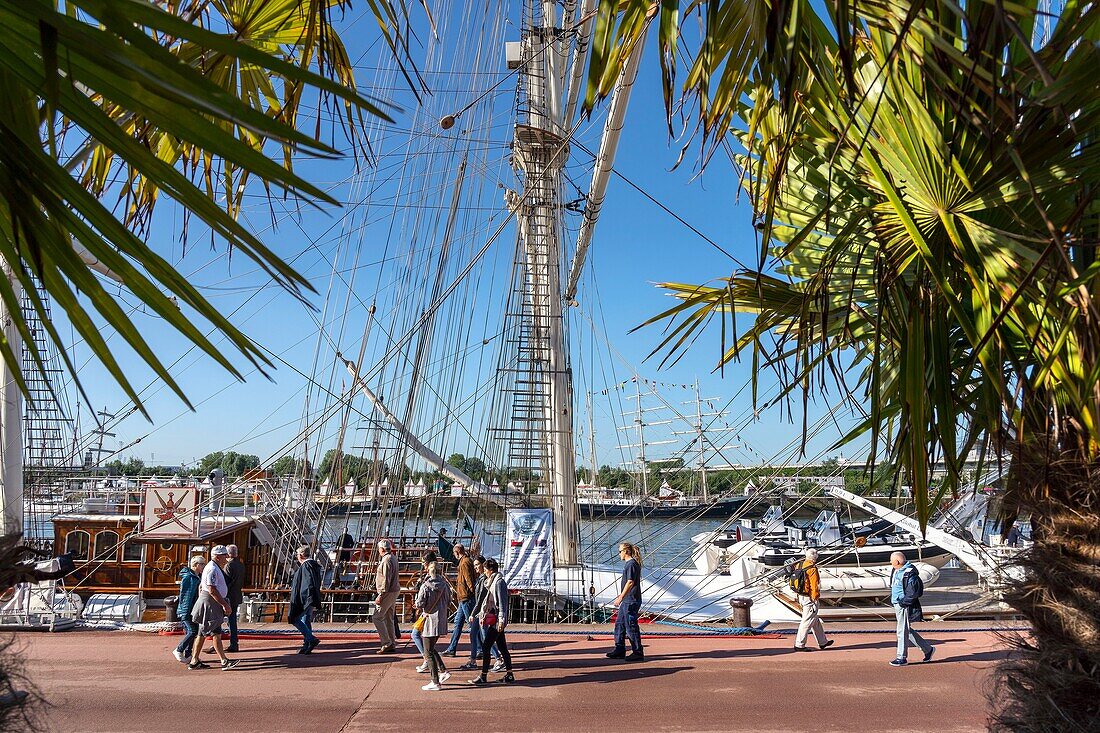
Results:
234 580
492 614
464 595
806 583
906 588
190 581
386 586
629 603
433 601
210 610
305 598
476 632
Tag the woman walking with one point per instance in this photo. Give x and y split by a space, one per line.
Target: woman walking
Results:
629 603
189 593
492 614
433 600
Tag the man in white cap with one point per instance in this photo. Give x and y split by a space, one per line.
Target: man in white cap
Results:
211 608
387 586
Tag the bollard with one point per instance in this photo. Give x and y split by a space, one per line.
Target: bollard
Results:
740 615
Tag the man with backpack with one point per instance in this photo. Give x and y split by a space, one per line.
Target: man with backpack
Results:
806 583
906 588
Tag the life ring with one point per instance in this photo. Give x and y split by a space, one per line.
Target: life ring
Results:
861 542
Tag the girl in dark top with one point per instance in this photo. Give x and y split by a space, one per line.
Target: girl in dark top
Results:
629 603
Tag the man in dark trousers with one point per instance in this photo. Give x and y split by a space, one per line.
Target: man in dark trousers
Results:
464 597
234 579
305 597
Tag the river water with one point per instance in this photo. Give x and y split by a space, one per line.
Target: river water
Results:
664 542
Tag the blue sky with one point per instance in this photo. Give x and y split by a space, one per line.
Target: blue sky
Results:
636 244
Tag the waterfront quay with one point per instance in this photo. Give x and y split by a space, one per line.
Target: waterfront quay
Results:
122 681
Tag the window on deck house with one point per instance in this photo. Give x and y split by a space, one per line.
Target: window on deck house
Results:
76 542
106 545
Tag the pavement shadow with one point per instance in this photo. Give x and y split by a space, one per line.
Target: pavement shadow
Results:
601 675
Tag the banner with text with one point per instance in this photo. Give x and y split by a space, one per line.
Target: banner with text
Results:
529 549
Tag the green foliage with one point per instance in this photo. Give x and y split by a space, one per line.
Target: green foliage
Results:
291 466
924 178
232 463
131 97
129 467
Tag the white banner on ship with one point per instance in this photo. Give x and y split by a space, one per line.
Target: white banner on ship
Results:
529 549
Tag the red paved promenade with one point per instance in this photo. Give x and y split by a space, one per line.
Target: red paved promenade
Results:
123 681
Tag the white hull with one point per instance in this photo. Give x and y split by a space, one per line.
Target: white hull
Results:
697 594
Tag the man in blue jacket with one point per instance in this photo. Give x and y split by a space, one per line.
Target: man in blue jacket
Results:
906 588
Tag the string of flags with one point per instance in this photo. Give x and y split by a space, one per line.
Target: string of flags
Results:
643 380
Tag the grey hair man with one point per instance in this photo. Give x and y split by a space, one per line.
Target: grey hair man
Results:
806 583
906 588
386 585
305 598
211 608
234 580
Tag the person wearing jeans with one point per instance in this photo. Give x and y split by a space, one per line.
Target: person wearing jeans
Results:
464 595
189 591
305 597
492 614
629 603
476 631
905 590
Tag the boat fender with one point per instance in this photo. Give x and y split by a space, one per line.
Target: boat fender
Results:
861 542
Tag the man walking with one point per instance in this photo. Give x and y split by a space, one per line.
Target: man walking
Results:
806 583
906 588
464 595
211 608
386 586
305 597
234 580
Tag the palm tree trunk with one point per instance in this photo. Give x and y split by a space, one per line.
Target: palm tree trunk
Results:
1052 680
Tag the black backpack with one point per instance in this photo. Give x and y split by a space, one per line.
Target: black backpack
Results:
798 579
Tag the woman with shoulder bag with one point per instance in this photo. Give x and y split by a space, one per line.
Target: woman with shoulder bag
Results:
433 600
493 617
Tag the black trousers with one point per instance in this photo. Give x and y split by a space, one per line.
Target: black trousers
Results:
492 636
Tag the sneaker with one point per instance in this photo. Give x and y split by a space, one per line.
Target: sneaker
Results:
431 687
898 663
311 645
469 665
198 665
179 656
498 666
388 648
444 676
803 649
422 668
508 679
302 650
616 654
635 657
230 664
928 654
828 643
449 653
479 680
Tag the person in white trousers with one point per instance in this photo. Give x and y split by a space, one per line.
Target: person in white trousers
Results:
808 601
